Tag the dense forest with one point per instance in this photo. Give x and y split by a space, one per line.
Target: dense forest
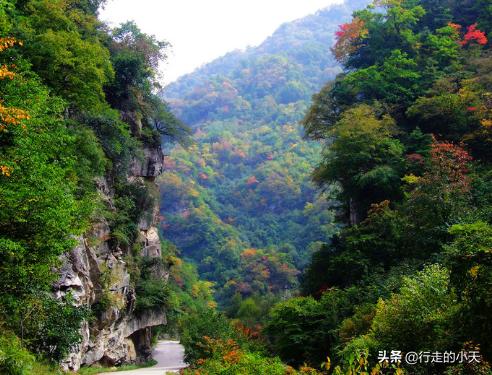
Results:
325 197
405 137
240 202
78 115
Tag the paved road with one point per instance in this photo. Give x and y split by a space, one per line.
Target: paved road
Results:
169 356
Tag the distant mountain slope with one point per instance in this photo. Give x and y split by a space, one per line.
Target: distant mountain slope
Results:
289 66
240 201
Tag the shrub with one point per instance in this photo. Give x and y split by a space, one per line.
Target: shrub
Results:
14 359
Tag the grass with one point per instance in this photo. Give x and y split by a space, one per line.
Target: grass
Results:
42 368
99 370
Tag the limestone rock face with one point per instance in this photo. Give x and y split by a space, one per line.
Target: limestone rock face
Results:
97 276
149 165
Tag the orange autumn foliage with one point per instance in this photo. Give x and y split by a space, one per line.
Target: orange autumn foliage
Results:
8 42
233 356
6 73
5 170
228 349
9 115
249 253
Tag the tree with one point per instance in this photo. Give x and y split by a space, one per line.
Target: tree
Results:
365 159
349 39
439 198
474 35
322 115
135 57
294 329
9 116
65 49
396 80
420 316
42 208
303 329
470 260
387 31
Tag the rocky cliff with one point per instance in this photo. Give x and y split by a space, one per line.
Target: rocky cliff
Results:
97 273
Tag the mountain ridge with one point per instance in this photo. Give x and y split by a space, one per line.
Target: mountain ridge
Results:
305 42
239 202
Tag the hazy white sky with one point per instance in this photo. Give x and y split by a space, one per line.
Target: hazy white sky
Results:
201 30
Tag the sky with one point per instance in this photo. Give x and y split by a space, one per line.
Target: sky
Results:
202 30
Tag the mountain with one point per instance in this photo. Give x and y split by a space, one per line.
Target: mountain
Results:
240 202
82 269
288 66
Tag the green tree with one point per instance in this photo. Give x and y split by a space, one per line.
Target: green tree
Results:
365 159
469 257
420 316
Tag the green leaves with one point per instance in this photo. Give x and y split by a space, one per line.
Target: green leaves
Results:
396 81
363 158
469 257
418 317
65 49
14 359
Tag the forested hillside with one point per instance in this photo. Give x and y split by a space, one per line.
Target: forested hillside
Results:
333 234
83 278
240 202
405 132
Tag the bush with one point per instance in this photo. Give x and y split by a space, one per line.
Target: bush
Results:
195 327
50 327
242 363
151 294
14 359
420 316
306 330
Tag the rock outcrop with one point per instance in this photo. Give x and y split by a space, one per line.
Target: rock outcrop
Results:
96 274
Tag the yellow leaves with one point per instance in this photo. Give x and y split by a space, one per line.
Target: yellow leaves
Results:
486 123
485 110
411 179
249 253
202 289
327 364
6 170
11 116
474 271
6 73
193 193
376 370
175 261
362 120
8 42
309 207
195 290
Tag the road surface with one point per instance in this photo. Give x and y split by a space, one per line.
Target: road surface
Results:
169 356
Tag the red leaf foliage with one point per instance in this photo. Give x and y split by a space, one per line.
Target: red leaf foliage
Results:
473 34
